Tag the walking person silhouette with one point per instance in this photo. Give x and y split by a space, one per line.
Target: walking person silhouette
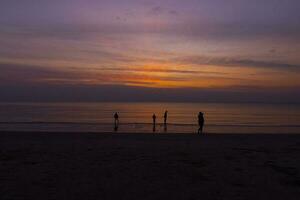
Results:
200 122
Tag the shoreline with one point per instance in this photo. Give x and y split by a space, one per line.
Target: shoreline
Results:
148 133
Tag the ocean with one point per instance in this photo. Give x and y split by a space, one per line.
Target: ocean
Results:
137 117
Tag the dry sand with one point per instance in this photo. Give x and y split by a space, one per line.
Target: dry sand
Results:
147 166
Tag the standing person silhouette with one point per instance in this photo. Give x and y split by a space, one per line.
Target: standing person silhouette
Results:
200 122
154 121
165 117
116 116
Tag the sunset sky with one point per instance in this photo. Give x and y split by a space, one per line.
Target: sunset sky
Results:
106 49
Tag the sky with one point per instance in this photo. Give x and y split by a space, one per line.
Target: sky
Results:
150 50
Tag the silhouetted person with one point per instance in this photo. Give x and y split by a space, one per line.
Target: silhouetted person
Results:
116 116
200 122
165 117
154 121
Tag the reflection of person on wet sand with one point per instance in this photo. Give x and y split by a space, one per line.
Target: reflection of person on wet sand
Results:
165 121
200 122
154 121
116 127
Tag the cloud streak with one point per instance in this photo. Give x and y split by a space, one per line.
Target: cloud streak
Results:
236 62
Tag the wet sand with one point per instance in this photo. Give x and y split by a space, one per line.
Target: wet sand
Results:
87 166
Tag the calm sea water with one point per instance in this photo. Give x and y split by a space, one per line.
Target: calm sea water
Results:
136 117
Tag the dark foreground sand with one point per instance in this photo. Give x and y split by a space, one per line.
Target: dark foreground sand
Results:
145 166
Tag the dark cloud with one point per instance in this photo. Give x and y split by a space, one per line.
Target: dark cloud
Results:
19 74
236 62
179 71
173 12
157 10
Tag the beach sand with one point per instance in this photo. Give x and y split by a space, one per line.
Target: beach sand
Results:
87 166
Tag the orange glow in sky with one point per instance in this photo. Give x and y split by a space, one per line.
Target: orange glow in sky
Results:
177 45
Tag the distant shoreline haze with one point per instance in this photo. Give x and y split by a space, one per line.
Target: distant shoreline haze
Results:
140 94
